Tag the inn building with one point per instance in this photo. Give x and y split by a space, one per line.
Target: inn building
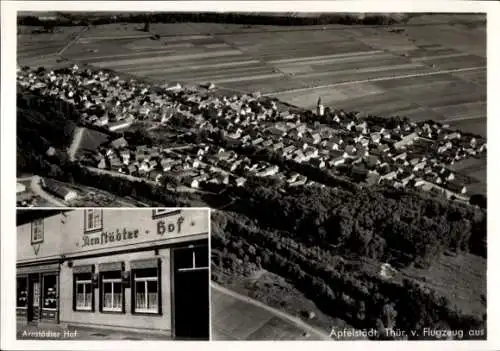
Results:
143 270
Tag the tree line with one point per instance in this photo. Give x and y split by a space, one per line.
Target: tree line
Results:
338 287
282 19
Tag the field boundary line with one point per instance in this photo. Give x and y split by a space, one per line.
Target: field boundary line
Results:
72 41
324 57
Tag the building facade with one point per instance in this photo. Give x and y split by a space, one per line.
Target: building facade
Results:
137 269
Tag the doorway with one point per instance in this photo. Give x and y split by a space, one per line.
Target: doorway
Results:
34 297
191 293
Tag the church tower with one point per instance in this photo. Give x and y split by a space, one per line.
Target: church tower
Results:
320 109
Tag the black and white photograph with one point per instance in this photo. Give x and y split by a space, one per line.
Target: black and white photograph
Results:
272 175
113 274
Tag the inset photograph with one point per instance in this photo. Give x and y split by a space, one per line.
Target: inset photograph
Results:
113 274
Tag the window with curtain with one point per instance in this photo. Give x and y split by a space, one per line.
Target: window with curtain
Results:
111 291
84 292
146 290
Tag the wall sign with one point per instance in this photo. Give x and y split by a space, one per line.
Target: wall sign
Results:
163 227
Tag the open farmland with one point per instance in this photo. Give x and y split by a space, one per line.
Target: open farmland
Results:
35 48
433 71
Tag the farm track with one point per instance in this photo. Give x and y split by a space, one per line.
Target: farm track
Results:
76 37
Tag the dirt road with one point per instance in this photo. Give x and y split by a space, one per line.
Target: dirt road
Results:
75 144
315 333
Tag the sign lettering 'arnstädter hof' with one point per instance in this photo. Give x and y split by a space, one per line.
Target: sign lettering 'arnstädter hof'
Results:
128 235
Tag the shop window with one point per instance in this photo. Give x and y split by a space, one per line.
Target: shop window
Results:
93 220
163 212
22 292
83 292
146 288
37 231
49 292
111 292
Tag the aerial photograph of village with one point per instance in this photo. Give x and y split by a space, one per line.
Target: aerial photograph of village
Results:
343 156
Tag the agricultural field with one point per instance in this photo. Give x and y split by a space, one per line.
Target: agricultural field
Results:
234 319
35 48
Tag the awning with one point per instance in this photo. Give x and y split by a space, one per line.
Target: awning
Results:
39 269
89 268
147 263
113 266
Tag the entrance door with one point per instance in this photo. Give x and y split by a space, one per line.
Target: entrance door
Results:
34 297
191 293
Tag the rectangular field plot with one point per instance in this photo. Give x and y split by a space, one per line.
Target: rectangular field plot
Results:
379 104
237 75
208 66
47 61
426 52
145 60
478 77
476 126
417 114
415 82
309 99
329 95
389 41
360 63
114 30
456 62
463 111
370 74
265 86
452 36
93 51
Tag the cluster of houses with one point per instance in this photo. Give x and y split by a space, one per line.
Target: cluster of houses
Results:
105 99
404 155
196 167
408 154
